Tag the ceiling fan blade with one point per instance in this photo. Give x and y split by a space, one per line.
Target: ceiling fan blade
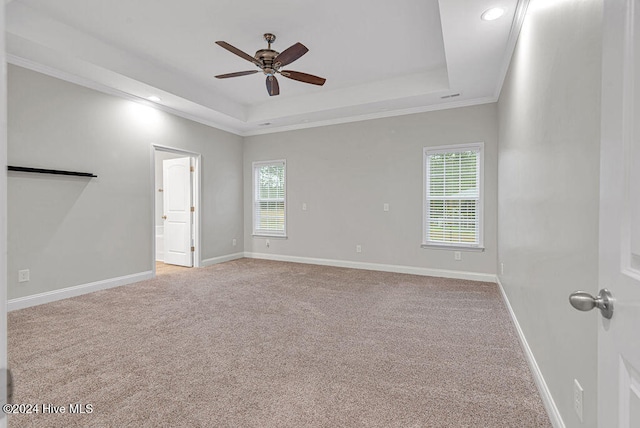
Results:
238 52
237 74
303 77
272 85
290 54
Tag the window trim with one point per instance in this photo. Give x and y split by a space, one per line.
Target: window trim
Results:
426 151
254 170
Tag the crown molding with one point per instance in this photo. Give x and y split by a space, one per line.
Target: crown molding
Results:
514 33
91 84
373 116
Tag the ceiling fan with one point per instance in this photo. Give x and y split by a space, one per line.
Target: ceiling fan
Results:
270 61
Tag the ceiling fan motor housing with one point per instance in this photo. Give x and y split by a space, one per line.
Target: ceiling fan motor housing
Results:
266 57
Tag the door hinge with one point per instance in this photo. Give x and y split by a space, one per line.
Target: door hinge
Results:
193 249
193 209
192 168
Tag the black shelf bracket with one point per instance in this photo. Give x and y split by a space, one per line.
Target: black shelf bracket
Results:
50 171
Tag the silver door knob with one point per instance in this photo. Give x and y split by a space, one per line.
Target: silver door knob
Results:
583 301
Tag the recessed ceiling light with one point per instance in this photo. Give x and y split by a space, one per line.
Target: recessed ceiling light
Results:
154 98
493 13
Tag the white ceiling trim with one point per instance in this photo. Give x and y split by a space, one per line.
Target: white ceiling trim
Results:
372 116
88 83
91 84
518 20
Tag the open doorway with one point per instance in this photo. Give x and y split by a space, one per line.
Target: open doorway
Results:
176 216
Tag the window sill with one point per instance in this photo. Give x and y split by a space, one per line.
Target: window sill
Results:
453 248
263 235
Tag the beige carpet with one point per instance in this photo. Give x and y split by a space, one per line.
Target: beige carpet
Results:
254 343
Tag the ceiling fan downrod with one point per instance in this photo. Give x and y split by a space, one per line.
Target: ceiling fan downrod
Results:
270 38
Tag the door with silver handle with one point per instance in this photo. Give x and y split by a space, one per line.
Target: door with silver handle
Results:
583 301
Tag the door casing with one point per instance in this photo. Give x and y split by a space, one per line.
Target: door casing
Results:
197 198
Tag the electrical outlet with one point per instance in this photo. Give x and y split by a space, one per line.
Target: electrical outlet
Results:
457 255
267 243
578 393
234 242
304 206
358 248
385 207
23 275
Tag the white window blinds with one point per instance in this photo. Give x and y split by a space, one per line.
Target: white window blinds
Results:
269 202
453 203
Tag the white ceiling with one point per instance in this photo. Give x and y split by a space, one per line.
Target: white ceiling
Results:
380 58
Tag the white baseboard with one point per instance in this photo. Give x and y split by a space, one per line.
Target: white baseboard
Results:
215 260
64 293
473 276
545 394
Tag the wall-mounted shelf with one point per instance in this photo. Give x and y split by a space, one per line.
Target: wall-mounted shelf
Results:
50 171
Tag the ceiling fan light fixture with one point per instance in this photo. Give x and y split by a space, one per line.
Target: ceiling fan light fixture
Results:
492 14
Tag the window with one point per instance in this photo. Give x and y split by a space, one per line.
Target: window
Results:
269 198
453 196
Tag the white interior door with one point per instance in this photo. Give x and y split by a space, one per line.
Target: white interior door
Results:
177 193
619 337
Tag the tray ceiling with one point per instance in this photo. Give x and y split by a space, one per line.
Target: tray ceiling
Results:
380 58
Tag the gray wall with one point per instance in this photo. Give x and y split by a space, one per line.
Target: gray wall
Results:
72 231
345 173
549 116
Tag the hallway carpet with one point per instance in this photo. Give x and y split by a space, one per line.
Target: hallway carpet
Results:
163 268
254 343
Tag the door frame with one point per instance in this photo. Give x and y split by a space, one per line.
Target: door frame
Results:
197 199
